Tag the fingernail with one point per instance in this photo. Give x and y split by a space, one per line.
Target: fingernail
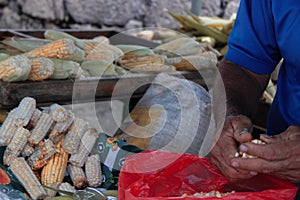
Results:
243 148
235 164
244 130
253 173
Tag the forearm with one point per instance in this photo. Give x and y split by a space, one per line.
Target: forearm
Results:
243 88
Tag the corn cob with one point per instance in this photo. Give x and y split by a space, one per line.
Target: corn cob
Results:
105 55
24 111
27 150
57 35
24 44
89 45
131 51
60 49
58 113
117 53
4 56
8 129
34 119
16 68
16 145
25 175
77 175
67 69
41 129
78 55
93 170
66 187
181 47
193 63
53 173
99 68
86 145
40 156
143 60
41 69
74 136
61 128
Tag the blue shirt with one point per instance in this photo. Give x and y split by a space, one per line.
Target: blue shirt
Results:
264 32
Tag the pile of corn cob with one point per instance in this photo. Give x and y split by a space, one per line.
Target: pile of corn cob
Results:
42 145
61 55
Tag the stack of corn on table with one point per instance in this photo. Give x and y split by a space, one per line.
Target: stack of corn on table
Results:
41 146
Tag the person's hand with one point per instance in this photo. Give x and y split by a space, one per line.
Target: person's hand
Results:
234 132
280 156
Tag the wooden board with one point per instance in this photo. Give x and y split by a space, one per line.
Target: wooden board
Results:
61 91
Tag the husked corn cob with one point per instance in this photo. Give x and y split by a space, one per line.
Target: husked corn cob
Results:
86 145
60 49
16 145
41 129
34 119
16 68
8 129
61 128
40 156
66 187
25 175
77 175
93 170
54 171
74 136
24 111
27 150
58 113
143 60
41 69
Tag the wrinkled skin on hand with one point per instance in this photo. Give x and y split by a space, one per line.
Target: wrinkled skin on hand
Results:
280 157
227 145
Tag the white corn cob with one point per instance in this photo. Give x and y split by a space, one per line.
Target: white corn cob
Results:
61 128
41 129
24 111
77 175
86 145
8 129
66 187
27 150
27 178
74 136
34 119
16 145
40 156
93 170
58 113
41 69
15 68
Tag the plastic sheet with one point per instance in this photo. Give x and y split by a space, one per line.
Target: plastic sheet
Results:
160 175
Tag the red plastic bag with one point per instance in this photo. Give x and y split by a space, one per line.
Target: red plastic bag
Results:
160 175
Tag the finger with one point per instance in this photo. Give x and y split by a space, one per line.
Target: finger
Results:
258 165
242 127
231 173
271 152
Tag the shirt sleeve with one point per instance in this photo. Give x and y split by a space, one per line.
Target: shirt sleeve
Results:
252 42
